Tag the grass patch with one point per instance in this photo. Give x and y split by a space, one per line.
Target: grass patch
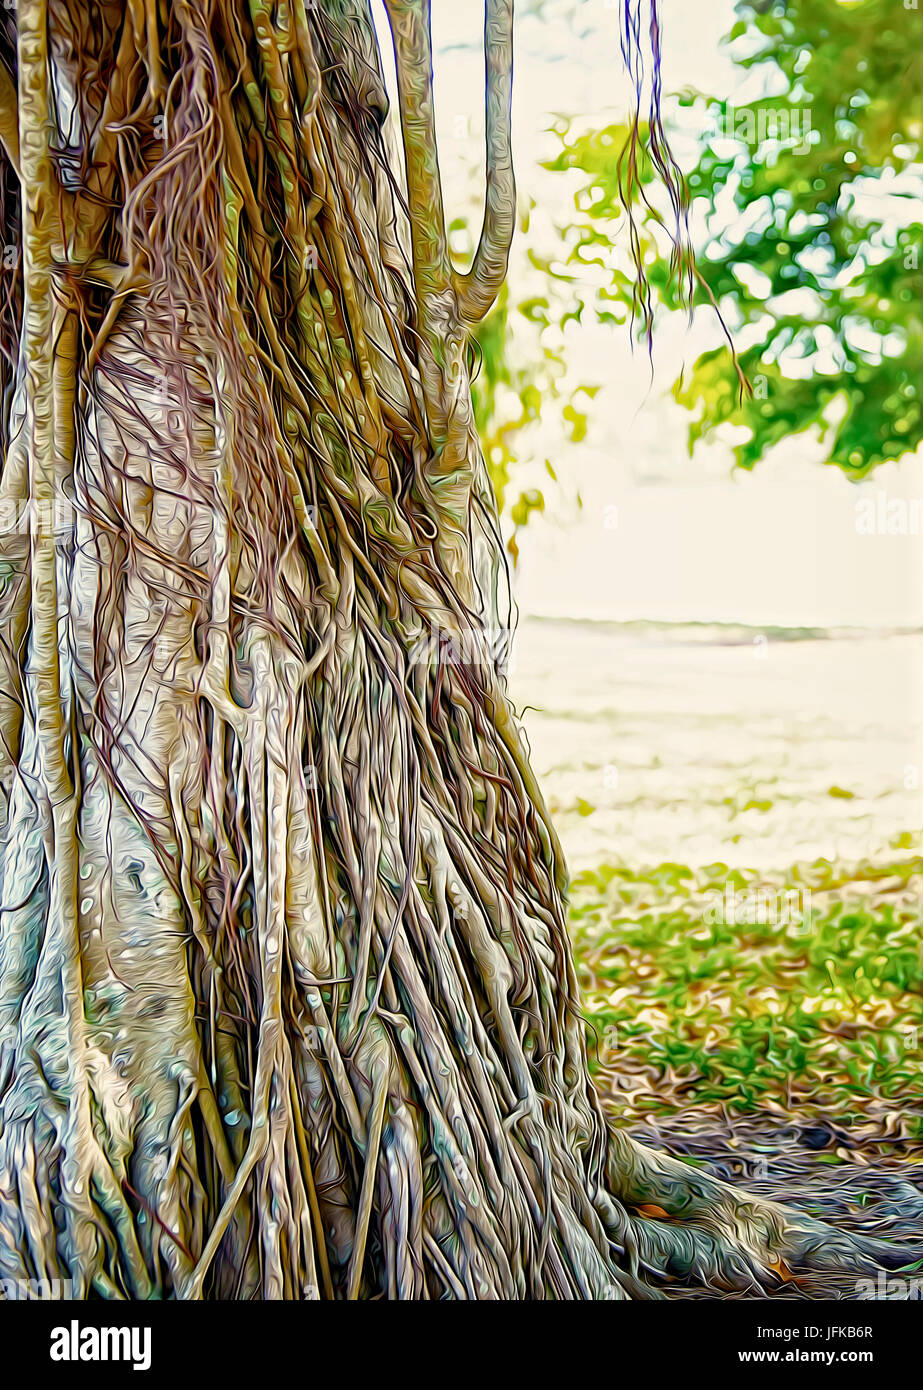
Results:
718 985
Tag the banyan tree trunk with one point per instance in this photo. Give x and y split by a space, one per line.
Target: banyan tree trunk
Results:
287 1005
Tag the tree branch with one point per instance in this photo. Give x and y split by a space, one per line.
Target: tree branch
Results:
9 118
477 290
94 200
442 337
413 57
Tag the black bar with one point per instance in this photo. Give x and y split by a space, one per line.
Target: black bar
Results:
268 1341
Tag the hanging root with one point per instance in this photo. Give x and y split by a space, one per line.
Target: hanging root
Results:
287 1004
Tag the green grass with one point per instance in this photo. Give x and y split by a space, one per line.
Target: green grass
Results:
755 1014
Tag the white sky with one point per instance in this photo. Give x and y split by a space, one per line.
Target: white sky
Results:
777 546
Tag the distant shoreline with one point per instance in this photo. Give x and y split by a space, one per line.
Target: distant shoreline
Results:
724 632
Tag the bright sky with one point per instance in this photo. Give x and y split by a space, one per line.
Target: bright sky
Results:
780 545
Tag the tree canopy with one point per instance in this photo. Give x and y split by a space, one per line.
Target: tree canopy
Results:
804 205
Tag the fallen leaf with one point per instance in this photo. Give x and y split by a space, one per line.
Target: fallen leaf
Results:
782 1270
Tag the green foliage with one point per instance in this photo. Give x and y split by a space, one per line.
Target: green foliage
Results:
517 382
824 1010
506 398
599 155
810 200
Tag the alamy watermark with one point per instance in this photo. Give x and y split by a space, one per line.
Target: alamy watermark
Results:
765 907
468 646
52 517
891 1286
755 125
36 1290
882 515
77 1343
